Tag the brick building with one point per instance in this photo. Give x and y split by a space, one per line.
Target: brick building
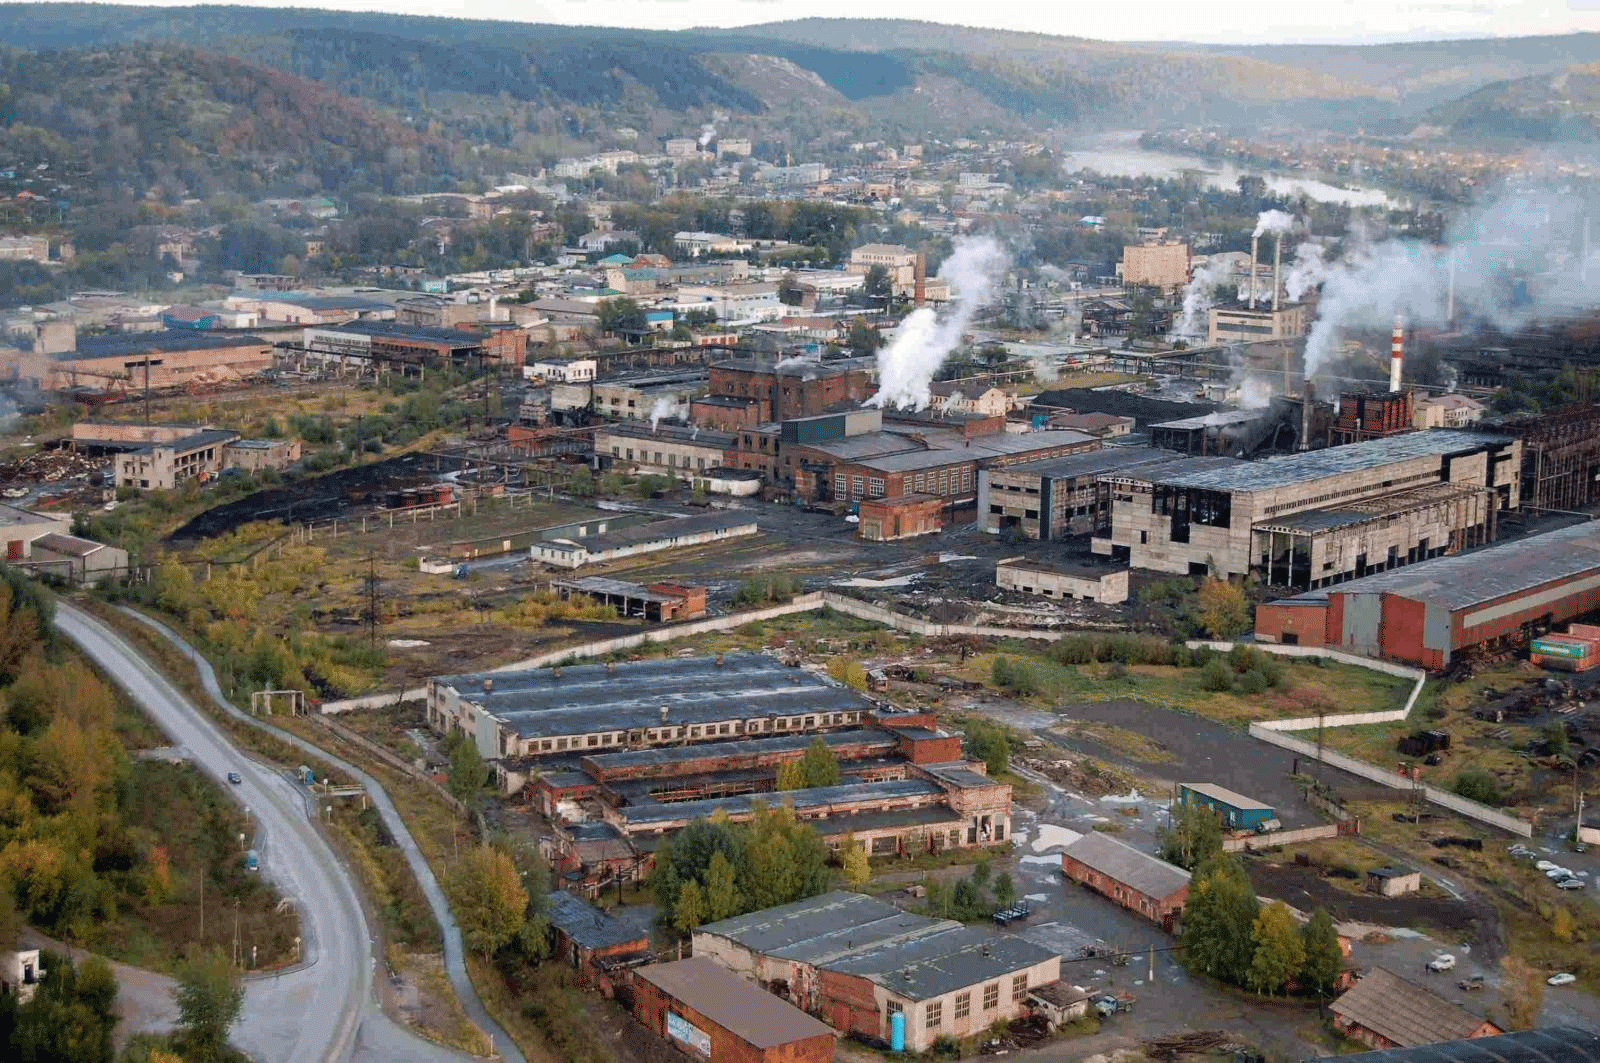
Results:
858 961
792 387
1383 1010
710 1014
1138 882
597 945
885 520
1159 265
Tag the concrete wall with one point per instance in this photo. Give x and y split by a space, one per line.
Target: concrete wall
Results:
1280 837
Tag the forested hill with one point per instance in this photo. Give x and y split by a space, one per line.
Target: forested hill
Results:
147 117
1560 106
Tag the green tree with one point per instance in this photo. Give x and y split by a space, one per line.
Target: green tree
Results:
937 892
878 283
1221 609
848 672
989 743
722 889
690 911
1556 738
467 770
966 900
855 867
819 765
71 1017
1324 958
863 340
1278 952
785 860
1193 837
620 315
1476 784
1522 991
1219 920
1005 890
489 899
581 483
1216 676
791 776
209 995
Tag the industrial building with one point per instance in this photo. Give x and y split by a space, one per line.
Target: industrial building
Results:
642 539
1135 880
1317 517
411 347
711 1015
597 945
1375 415
198 456
1383 1010
1108 586
135 362
1560 456
1431 614
1058 497
1242 323
621 756
781 389
1234 810
1549 1044
860 961
675 450
1160 265
655 602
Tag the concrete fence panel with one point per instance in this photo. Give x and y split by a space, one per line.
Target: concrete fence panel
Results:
1280 837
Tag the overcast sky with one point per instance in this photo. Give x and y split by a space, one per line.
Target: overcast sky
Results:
1228 21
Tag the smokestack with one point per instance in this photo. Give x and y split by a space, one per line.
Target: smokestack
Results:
1450 284
1397 352
1305 415
1255 248
1277 270
920 280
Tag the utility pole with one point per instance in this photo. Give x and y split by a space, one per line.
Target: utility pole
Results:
236 933
372 600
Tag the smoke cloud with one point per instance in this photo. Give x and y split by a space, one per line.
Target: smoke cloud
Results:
1198 298
708 133
1309 269
1273 221
664 407
1517 258
925 338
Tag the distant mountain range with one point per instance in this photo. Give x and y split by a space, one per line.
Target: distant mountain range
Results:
506 85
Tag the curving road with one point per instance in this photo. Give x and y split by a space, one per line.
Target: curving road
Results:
326 1010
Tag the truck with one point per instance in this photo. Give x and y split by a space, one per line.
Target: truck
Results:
1112 1003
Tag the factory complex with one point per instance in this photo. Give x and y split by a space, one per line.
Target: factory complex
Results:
621 756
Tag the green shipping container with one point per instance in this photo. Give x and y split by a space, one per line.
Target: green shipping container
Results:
1572 650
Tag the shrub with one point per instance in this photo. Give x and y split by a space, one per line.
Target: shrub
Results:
1216 676
1476 784
1253 682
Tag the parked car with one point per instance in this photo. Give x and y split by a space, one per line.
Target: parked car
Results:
235 778
1562 978
1445 962
1544 865
1570 884
1557 874
1471 984
252 862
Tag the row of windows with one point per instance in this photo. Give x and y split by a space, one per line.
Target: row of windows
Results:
672 460
709 730
933 1013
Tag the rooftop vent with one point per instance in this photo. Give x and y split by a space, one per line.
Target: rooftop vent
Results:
488 684
555 672
665 712
719 660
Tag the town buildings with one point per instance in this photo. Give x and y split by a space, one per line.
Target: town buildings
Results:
1156 265
860 961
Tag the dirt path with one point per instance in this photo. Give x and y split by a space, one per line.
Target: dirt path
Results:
144 998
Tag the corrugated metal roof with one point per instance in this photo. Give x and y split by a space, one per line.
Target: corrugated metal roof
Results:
801 800
1127 865
943 962
1462 580
1226 796
1403 1012
1286 469
588 926
740 1007
1556 1044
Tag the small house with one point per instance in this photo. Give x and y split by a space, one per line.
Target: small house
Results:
1383 1010
709 1013
20 973
1137 881
596 944
1393 881
1060 1004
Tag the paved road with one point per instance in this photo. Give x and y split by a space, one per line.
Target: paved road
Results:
325 1011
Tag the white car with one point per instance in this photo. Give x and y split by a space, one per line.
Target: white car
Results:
1558 873
1445 962
1562 979
1544 865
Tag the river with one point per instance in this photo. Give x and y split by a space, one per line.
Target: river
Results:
1120 154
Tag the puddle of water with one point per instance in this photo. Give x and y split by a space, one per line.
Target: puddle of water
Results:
1132 797
1056 860
1050 835
1036 897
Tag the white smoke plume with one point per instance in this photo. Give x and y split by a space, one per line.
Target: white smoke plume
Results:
1045 368
708 133
925 338
1198 297
1515 262
950 402
1254 393
664 407
1308 270
1273 221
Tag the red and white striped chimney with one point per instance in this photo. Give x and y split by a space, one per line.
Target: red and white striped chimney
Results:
1397 352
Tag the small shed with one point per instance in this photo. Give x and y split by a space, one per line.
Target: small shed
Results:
1236 811
1060 1003
594 943
710 1013
1392 881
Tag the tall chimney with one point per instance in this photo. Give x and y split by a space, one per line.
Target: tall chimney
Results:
1255 247
1277 270
1306 399
920 280
1397 352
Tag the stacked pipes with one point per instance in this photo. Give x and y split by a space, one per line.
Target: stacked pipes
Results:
1397 344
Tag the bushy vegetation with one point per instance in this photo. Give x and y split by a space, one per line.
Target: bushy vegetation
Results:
817 767
71 1017
714 869
1476 784
1230 935
766 589
971 898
